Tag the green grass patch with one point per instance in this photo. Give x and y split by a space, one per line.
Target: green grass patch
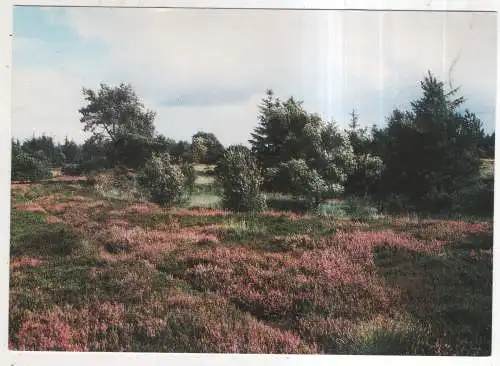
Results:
31 236
204 200
452 292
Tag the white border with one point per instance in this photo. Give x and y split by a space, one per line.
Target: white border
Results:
425 5
125 359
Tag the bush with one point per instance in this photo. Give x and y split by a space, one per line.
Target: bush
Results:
162 181
475 199
98 164
296 178
241 181
72 169
26 166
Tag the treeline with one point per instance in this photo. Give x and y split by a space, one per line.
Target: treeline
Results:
426 158
130 152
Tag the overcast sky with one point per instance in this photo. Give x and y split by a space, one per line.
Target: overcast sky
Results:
208 69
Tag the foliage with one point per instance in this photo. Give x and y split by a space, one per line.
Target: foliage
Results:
71 152
240 178
279 135
487 146
162 181
113 114
44 148
206 148
26 166
431 150
296 178
72 169
287 132
365 176
134 150
190 175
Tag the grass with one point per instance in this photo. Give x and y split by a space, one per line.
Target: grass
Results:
91 273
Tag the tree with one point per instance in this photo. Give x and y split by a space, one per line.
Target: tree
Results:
431 150
182 151
44 148
94 155
241 180
206 148
71 151
279 135
164 145
286 132
116 114
368 167
358 136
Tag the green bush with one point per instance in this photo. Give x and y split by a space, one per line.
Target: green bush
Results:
303 182
98 164
162 181
26 166
476 198
241 181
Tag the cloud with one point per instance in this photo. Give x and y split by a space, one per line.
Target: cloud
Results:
45 101
207 69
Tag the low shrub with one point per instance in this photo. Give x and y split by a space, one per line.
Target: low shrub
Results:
28 167
162 182
297 178
241 181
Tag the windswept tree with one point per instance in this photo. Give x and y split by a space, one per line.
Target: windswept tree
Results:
116 115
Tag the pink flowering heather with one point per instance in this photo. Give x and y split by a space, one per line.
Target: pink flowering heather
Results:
24 261
94 328
363 242
57 208
271 283
30 207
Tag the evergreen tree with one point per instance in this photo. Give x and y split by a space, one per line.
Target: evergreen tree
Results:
430 151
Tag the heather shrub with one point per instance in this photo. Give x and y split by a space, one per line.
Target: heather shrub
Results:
239 176
162 182
26 166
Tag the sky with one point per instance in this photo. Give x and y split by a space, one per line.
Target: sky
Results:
207 70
